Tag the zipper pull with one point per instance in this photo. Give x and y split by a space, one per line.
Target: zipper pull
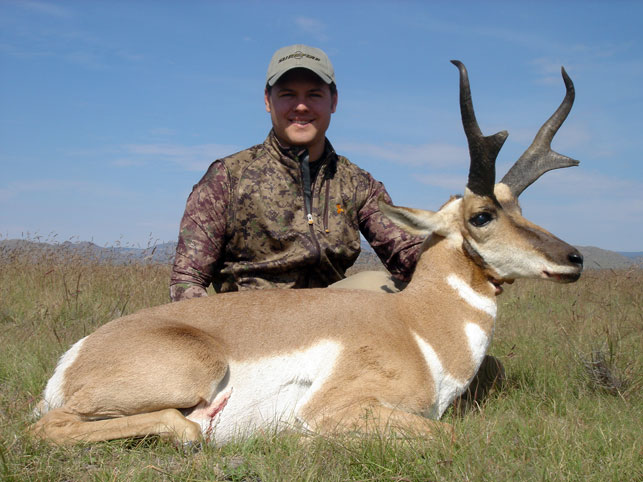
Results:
310 218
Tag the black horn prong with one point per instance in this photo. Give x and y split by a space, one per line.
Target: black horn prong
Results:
482 150
539 157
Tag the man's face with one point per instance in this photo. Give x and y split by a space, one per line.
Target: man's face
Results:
300 105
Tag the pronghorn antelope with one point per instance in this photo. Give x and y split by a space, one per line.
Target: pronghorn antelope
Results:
321 359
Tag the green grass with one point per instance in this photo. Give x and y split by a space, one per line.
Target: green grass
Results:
571 408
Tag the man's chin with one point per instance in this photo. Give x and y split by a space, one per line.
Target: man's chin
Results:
300 139
307 140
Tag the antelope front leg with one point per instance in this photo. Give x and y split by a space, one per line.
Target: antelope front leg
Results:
63 427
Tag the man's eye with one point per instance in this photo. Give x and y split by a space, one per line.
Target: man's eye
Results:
480 219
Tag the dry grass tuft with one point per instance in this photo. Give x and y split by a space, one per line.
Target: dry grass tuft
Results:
600 373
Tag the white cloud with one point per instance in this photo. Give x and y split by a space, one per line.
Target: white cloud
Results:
44 8
85 59
24 53
549 70
434 155
573 184
592 221
16 189
452 182
568 138
591 185
65 41
191 158
312 27
128 162
162 131
588 208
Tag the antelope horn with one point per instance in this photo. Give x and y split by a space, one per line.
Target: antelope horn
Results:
482 150
539 157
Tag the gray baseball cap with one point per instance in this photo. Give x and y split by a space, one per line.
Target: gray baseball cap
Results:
300 56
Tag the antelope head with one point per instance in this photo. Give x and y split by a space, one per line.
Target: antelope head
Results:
486 223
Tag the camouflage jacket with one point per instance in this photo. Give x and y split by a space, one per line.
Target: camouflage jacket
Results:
246 224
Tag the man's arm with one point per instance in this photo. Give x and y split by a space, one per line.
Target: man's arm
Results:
201 235
397 249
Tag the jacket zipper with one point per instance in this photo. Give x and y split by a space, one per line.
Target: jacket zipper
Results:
307 184
308 203
326 230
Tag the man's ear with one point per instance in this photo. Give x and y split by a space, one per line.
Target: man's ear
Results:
266 99
334 103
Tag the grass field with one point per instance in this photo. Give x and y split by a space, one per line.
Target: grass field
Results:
571 408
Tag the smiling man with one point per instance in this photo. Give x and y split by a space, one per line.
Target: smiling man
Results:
287 213
300 107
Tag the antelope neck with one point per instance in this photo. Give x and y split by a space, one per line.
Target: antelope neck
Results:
452 272
453 315
473 255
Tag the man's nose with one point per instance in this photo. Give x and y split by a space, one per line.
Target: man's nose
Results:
301 106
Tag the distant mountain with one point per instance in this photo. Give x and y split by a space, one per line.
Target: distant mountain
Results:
160 253
636 256
631 254
595 258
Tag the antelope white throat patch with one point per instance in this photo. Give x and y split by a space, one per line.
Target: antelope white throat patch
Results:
472 297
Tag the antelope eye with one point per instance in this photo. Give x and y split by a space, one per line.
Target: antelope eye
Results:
480 219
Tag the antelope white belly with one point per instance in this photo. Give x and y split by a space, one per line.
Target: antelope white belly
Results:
472 297
268 392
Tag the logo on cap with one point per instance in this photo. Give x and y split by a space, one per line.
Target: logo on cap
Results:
298 55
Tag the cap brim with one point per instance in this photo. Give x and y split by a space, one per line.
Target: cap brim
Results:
324 77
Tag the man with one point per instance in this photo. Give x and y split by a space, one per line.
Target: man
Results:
287 213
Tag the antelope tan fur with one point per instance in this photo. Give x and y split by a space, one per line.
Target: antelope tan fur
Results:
321 359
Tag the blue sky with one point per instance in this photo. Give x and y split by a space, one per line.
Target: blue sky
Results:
110 111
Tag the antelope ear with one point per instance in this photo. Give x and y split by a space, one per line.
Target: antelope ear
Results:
414 221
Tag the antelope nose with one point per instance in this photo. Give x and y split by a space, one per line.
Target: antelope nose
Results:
576 258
